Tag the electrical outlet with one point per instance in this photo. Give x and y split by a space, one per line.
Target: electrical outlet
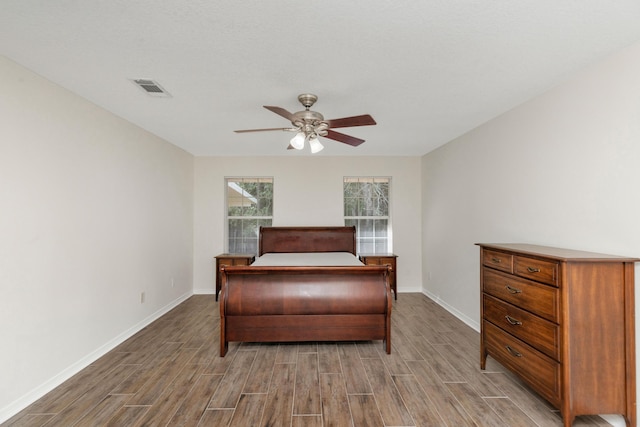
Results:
141 297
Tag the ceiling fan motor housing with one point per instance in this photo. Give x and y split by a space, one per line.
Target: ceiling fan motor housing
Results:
310 121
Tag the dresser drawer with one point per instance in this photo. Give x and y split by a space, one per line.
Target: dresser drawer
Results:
379 260
536 269
225 261
497 260
526 294
535 331
540 371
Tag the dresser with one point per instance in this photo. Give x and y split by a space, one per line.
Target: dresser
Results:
230 259
383 259
563 321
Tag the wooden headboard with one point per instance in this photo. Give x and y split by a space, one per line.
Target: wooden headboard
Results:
307 239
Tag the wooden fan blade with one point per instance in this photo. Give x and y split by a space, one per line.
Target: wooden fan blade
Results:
260 130
347 122
281 112
337 136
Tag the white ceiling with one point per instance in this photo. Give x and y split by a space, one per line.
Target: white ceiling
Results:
426 70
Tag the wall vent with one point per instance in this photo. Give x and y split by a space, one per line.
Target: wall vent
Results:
151 87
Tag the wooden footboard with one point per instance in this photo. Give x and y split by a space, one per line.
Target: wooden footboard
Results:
280 304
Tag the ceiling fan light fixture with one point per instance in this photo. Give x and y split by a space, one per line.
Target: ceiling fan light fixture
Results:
297 141
315 145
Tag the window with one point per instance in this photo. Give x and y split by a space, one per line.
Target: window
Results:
249 206
366 205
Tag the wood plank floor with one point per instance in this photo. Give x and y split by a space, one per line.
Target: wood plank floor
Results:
170 373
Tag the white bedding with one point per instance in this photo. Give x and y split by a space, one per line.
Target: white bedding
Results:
309 259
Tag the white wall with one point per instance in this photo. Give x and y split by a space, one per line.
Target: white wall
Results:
560 170
307 191
93 211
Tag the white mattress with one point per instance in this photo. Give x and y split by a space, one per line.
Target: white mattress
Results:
309 259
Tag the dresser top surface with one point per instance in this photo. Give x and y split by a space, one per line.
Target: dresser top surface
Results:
556 253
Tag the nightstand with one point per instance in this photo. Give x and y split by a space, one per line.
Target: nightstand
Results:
230 259
383 259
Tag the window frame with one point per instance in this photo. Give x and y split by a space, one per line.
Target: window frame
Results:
227 217
357 218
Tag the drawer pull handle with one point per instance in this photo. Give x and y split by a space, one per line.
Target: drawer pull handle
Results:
513 290
512 320
533 270
496 260
512 351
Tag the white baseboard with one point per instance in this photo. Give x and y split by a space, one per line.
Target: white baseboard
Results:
467 320
204 291
18 405
614 420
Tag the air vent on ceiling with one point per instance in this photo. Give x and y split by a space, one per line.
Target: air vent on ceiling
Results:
151 88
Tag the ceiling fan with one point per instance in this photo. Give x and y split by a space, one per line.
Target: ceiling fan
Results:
309 125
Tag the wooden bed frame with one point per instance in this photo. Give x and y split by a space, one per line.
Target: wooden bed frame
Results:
289 304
